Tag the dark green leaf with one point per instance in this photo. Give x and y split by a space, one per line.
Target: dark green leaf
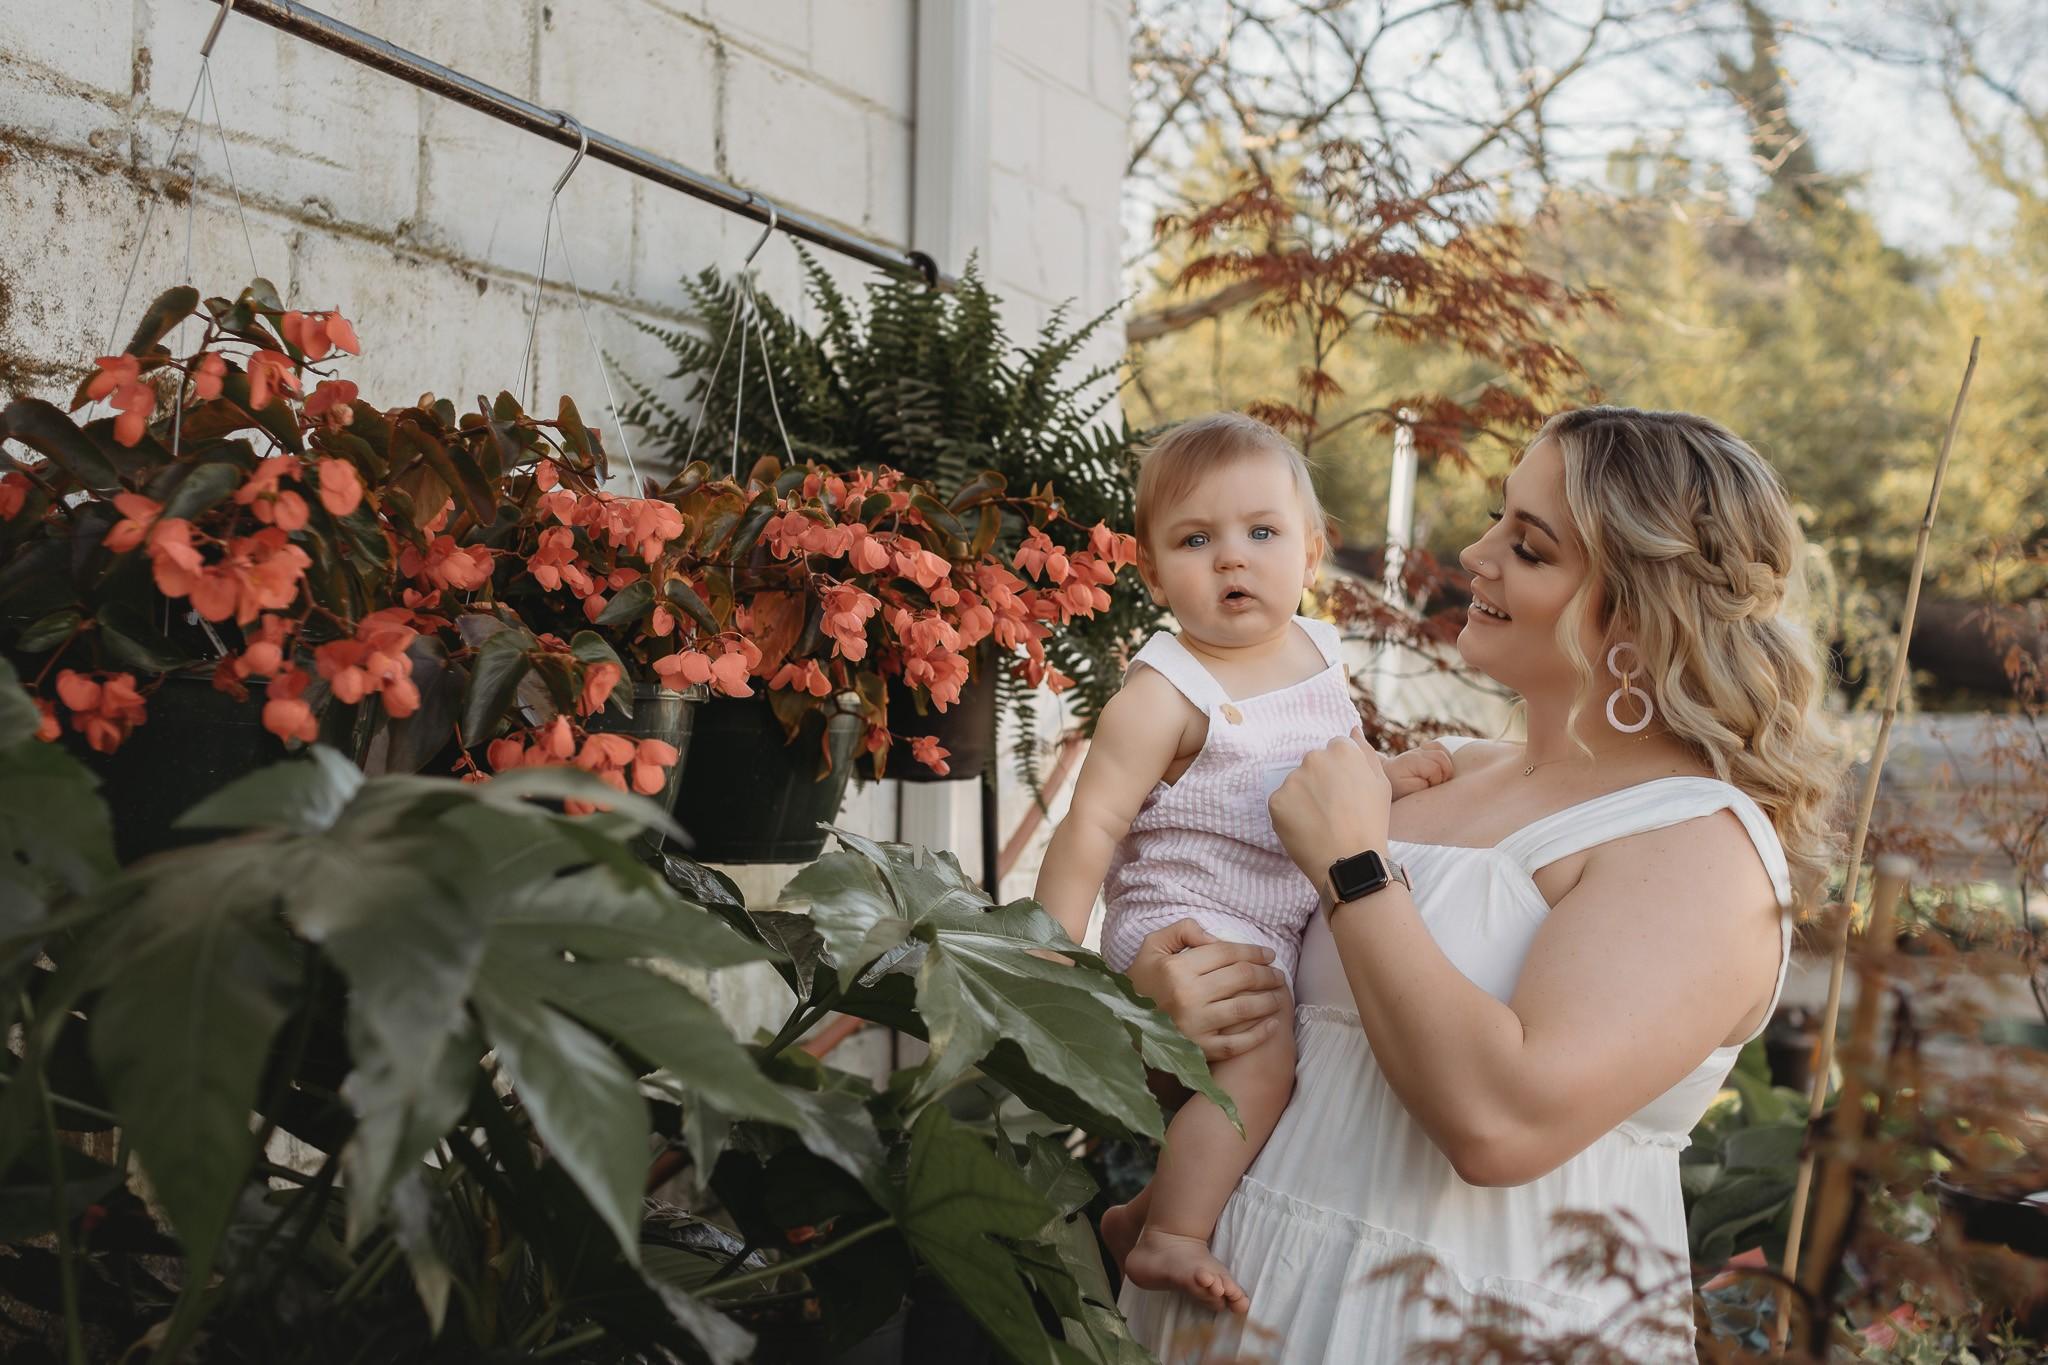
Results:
958 1199
500 666
628 604
179 1036
684 598
46 429
134 641
584 1105
205 487
171 307
48 633
304 794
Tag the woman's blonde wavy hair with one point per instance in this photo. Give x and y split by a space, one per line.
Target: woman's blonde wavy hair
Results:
1689 533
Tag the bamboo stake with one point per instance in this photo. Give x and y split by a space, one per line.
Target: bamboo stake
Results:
1817 1099
1834 1203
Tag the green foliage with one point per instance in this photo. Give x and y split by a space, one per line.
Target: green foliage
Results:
1739 1172
932 384
469 1012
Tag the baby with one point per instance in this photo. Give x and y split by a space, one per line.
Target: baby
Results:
1169 815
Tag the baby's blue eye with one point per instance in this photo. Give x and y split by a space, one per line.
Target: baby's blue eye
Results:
1262 533
1196 541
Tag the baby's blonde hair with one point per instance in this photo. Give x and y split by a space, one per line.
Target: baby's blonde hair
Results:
1172 465
1689 533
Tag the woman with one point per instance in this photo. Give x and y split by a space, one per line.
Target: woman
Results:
1590 930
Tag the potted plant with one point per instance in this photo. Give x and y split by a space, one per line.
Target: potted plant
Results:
928 382
442 992
248 542
835 595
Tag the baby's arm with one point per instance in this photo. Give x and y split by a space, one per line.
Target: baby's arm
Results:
1136 740
1419 769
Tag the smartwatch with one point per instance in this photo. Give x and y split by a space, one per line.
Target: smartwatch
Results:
1361 874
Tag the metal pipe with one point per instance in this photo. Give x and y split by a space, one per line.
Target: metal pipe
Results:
374 52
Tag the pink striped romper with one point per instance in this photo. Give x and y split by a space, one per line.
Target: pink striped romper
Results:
1204 848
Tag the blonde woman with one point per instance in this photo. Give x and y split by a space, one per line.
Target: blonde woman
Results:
1528 981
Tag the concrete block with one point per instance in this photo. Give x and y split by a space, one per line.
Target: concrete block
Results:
1085 148
1016 117
868 47
794 140
308 131
1039 241
83 44
492 40
674 236
891 153
1109 51
777 28
1049 36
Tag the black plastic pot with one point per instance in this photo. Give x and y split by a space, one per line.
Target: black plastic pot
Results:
658 713
751 795
196 740
967 730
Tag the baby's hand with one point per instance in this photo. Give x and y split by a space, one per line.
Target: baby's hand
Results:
1418 770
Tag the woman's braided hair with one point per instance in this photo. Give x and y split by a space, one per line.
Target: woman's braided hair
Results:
1690 535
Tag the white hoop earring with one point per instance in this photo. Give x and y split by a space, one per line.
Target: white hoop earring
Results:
1627 690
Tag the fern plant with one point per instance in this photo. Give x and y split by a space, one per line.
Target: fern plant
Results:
930 383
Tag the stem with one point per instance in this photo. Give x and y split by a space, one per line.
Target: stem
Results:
74 1330
808 1258
801 1017
567 1344
366 1275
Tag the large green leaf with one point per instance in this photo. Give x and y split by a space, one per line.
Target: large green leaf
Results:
179 1036
55 836
134 641
306 795
584 1104
595 913
169 309
494 680
659 1019
205 486
855 913
46 429
958 1198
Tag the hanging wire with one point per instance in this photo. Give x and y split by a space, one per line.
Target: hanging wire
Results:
548 229
748 310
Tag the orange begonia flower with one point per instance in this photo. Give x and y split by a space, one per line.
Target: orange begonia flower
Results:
598 681
207 378
729 675
105 712
13 494
318 333
138 514
286 714
448 565
690 666
329 403
48 728
927 750
270 372
341 487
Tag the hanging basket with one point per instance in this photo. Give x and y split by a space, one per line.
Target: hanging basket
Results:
750 794
658 713
966 729
197 740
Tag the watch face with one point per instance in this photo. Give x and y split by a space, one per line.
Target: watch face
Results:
1359 875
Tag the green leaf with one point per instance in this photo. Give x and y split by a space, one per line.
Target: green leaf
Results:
854 911
416 739
655 1017
302 794
134 640
628 604
584 1105
171 307
494 680
958 1198
179 1036
55 835
684 598
452 463
412 1223
49 632
590 914
46 429
205 487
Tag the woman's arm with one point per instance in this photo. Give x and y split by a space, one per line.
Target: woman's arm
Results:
1136 739
1666 944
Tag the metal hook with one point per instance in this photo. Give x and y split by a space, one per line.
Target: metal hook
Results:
774 217
582 146
227 7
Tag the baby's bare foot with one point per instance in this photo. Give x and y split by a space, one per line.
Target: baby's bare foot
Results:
1120 1229
1164 1260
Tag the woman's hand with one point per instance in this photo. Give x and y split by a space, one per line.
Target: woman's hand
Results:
1334 805
1223 996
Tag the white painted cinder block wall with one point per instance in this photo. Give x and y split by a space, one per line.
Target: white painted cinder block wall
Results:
421 219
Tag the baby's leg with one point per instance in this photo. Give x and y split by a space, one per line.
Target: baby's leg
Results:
1199 1167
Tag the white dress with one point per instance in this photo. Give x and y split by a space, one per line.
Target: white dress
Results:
1349 1183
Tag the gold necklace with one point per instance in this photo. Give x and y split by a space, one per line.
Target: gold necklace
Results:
1532 767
